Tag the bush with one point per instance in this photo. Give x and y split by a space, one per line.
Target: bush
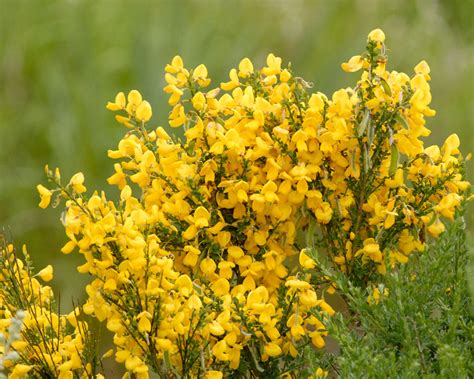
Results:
207 265
416 322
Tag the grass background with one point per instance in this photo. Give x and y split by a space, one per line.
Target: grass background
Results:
60 61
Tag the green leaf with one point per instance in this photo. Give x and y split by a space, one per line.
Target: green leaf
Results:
363 124
367 163
311 234
402 121
394 155
353 160
385 86
371 134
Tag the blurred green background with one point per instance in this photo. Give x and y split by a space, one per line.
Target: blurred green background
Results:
60 61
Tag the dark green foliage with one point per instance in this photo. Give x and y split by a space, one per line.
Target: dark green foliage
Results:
422 328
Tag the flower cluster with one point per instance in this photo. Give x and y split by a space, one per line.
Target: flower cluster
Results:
404 188
206 265
35 339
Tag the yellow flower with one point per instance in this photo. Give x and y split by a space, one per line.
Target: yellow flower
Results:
213 374
20 371
396 256
450 146
448 204
376 35
175 66
371 250
306 261
45 195
269 191
297 284
219 350
190 232
354 64
245 68
235 252
200 75
132 363
320 374
177 116
436 228
118 104
273 65
272 349
191 256
323 213
208 266
285 75
144 324
234 81
221 287
199 101
68 247
201 217
424 69
164 344
46 274
77 183
19 345
326 307
144 112
376 295
216 328
134 98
